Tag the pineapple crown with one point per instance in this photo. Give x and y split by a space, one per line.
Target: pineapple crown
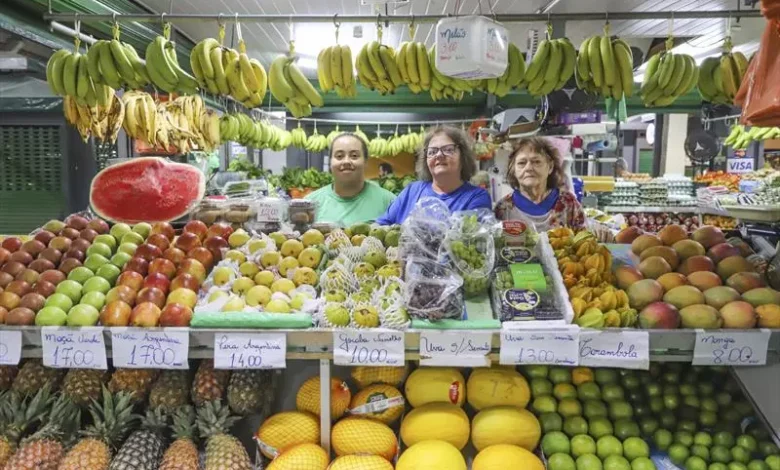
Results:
19 414
111 419
155 421
183 426
61 424
214 418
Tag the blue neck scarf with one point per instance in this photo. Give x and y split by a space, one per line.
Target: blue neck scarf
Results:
529 207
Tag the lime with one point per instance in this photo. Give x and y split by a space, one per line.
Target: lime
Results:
594 409
653 390
588 391
757 430
702 439
717 466
740 454
534 372
768 448
582 444
625 428
720 454
606 376
642 463
723 439
709 404
671 389
550 422
678 453
588 462
575 425
620 410
569 407
773 461
737 466
541 386
544 404
608 445
757 465
668 419
748 442
731 415
598 427
631 382
663 439
560 462
612 392
555 442
744 409
656 404
691 400
635 447
701 451
648 426
687 425
705 388
560 375
695 463
683 437
641 409
723 398
687 389
708 418
671 377
671 402
564 390
616 462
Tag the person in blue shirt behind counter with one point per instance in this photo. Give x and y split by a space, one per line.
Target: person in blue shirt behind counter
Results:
445 165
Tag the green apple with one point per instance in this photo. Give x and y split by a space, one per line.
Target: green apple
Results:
119 230
81 274
120 259
70 288
60 301
143 229
128 248
98 248
107 240
132 237
109 272
96 284
83 315
93 262
51 316
94 298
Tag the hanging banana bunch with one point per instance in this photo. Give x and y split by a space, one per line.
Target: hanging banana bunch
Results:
163 66
333 134
512 76
721 77
668 76
605 66
316 142
447 87
740 137
413 63
552 65
376 66
410 141
101 122
116 64
229 127
361 134
334 70
140 121
290 86
299 137
378 147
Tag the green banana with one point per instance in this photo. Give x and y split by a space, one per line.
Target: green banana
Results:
625 62
108 69
594 58
540 58
140 69
678 74
54 72
608 61
569 63
706 84
157 59
69 74
583 63
93 61
82 77
553 65
123 64
186 83
666 69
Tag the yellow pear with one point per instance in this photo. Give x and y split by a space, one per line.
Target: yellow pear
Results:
291 248
310 257
287 263
312 237
242 285
256 244
258 295
282 285
270 258
217 294
235 304
248 269
222 275
236 256
238 238
305 275
264 278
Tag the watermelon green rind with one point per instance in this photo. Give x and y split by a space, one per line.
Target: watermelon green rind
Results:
146 189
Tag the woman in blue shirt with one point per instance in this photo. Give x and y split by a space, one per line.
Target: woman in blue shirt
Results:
444 167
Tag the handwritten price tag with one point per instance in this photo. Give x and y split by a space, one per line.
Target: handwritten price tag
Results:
368 348
533 346
455 348
731 348
136 348
73 348
250 351
624 349
10 347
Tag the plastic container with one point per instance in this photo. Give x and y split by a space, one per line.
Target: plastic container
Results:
471 47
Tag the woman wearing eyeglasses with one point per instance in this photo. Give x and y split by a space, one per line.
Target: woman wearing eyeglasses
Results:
444 167
540 194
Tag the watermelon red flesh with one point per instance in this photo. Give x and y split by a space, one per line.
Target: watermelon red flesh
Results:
148 189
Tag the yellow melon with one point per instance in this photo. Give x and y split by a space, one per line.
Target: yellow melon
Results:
431 455
308 397
505 425
497 386
360 462
439 421
367 375
363 436
385 403
505 456
435 385
286 429
301 457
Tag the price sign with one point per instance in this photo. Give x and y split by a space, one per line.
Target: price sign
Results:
73 348
624 349
136 348
731 348
368 348
10 347
250 351
555 347
455 348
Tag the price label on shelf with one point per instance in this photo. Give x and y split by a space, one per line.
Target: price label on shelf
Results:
73 348
250 351
621 348
532 346
455 348
731 348
10 347
137 348
368 348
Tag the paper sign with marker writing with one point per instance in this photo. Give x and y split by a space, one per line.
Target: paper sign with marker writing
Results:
250 351
538 346
624 349
731 348
455 348
73 348
368 348
10 347
137 348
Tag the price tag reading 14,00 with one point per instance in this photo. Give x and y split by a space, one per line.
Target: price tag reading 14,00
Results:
73 348
136 348
250 351
368 348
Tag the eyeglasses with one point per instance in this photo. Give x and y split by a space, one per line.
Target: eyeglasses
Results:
447 150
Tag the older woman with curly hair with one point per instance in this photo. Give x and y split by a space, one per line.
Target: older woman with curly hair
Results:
444 167
540 194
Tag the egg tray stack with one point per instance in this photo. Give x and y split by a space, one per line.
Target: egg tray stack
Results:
680 191
626 193
653 193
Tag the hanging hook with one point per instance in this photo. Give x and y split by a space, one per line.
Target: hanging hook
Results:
219 20
162 17
336 21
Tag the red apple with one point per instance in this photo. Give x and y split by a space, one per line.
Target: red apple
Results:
217 246
29 276
175 255
187 241
68 265
13 268
186 281
148 252
220 229
34 247
203 255
145 314
70 232
193 267
98 225
75 254
33 301
12 244
131 279
52 254
197 227
5 254
44 288
158 280
9 300
116 313
80 244
44 236
175 315
52 275
76 221
159 240
151 294
124 293
20 316
164 266
60 243
41 264
21 256
139 265
88 234
5 279
164 228
20 288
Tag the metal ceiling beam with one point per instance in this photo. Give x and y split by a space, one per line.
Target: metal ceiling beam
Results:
508 18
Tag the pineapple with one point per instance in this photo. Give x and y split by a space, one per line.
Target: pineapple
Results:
209 384
251 391
223 451
136 381
33 376
143 450
7 375
183 453
111 420
18 415
170 392
83 385
44 449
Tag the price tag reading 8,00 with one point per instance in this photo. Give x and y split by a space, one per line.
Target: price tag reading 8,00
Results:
368 348
135 348
731 348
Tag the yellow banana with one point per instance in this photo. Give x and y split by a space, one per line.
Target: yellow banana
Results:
423 66
400 61
608 61
625 62
247 75
304 86
323 70
412 63
347 73
728 78
204 57
594 57
280 88
335 66
376 61
388 63
220 78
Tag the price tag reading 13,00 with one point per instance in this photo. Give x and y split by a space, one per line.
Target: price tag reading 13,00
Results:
368 348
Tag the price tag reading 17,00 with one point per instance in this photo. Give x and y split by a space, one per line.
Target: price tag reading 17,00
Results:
368 348
136 348
731 348
250 351
73 348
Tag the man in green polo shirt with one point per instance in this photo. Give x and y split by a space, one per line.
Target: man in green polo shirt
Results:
350 199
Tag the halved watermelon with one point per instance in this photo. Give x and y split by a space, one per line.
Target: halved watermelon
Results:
147 189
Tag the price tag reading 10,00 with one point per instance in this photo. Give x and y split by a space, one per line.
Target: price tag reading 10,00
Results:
368 348
136 348
73 348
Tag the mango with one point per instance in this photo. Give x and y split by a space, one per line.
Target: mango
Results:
687 248
708 236
743 282
768 316
738 314
684 296
665 252
761 296
654 267
643 242
672 234
719 296
700 316
733 265
704 280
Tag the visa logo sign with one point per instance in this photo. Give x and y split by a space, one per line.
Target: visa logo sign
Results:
739 165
